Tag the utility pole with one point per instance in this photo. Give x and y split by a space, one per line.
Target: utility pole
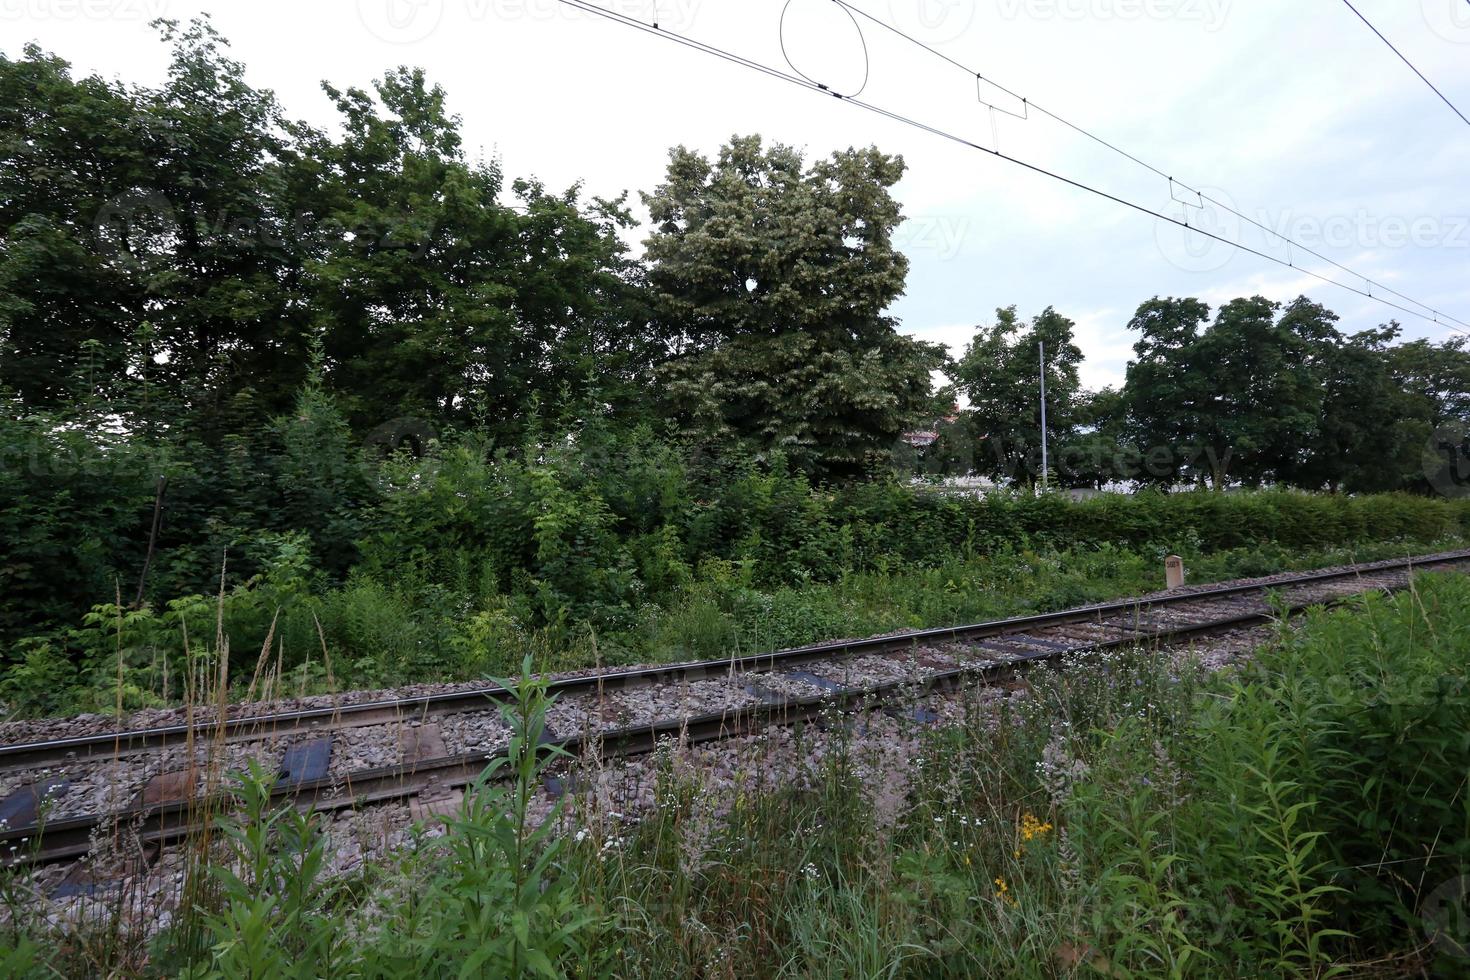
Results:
1041 352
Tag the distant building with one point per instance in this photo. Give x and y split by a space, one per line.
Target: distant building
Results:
924 438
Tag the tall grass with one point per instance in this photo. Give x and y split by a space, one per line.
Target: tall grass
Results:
370 634
1128 816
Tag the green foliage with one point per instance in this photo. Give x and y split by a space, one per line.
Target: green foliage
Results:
41 680
1314 804
275 918
445 305
775 276
497 897
244 239
1380 703
1129 816
1000 374
504 907
593 544
170 205
1256 398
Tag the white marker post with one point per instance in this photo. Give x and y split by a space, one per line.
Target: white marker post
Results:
1174 572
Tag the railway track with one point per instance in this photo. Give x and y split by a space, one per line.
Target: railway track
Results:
60 798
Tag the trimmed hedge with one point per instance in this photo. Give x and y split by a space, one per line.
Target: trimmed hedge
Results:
919 525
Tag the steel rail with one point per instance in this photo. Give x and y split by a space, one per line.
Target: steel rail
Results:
165 823
343 717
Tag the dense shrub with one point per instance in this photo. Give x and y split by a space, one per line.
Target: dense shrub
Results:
455 558
1377 710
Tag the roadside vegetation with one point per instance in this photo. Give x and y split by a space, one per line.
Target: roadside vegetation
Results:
403 416
1302 814
462 565
291 410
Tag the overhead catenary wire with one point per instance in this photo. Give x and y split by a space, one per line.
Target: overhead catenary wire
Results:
793 79
1404 58
867 60
1437 315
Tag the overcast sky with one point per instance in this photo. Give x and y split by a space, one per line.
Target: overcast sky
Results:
1294 111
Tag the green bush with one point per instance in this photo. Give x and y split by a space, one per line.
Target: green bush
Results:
451 564
1380 706
1317 800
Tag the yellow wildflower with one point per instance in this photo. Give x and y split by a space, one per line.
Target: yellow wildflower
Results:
1032 828
1003 891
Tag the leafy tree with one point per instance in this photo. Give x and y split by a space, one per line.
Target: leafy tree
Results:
1237 400
119 206
227 272
66 148
436 300
1000 373
769 280
1435 376
1371 427
1166 389
1433 382
1092 456
1266 395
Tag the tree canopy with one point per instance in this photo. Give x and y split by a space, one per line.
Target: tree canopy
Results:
770 279
1000 373
212 309
1260 394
